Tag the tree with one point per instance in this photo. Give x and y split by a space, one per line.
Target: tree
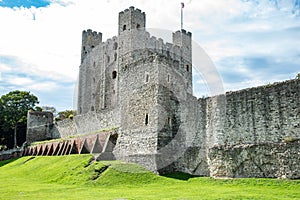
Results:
66 114
14 107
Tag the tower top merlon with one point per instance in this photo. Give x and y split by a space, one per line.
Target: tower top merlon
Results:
91 32
183 31
130 19
182 38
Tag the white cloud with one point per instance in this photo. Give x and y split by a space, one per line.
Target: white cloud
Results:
45 42
4 67
44 86
20 81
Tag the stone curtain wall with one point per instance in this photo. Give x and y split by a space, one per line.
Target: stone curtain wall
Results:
271 160
246 137
90 122
39 125
266 114
260 133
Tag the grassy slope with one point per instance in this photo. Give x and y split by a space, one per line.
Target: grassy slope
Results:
76 177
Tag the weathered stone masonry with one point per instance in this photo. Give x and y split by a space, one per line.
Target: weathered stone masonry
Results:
142 87
257 136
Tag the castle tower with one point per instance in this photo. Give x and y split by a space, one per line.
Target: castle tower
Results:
131 19
183 39
132 24
90 39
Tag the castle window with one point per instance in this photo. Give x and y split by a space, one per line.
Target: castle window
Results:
93 46
94 64
115 46
114 74
83 48
124 27
94 80
169 121
187 68
92 108
138 26
108 59
146 119
168 78
115 56
147 78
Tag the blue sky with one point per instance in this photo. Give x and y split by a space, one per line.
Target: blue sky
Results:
24 3
250 42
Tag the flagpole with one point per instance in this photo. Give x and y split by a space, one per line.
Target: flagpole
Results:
182 6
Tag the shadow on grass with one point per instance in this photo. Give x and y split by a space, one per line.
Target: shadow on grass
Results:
5 162
179 175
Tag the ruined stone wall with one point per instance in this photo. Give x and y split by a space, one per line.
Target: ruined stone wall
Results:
39 125
258 127
247 137
244 133
265 114
87 123
271 160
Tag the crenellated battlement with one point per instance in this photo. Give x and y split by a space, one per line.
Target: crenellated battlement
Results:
143 41
132 9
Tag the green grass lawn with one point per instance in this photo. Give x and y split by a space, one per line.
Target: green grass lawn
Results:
76 177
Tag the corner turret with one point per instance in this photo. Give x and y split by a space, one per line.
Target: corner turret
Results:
90 39
183 39
130 19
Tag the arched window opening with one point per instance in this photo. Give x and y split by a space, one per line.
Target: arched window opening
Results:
114 74
93 46
108 59
147 78
92 108
124 27
168 78
146 119
138 26
83 48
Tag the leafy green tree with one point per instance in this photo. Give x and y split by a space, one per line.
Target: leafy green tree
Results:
14 107
65 114
37 108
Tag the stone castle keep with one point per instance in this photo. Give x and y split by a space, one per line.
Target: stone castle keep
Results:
136 104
